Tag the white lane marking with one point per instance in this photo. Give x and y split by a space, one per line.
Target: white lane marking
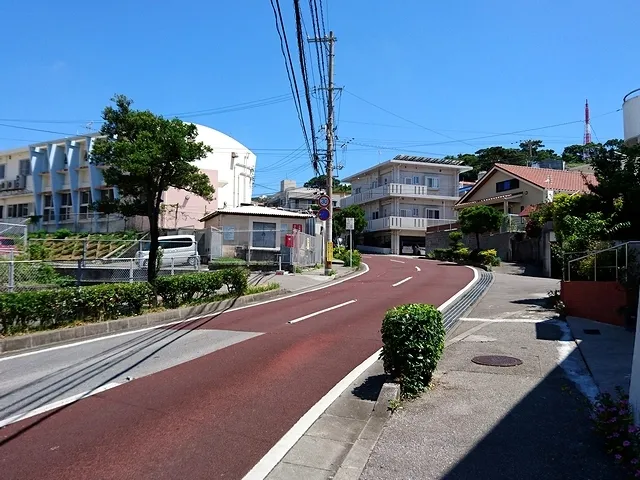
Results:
476 277
280 449
177 322
401 281
397 261
418 268
505 320
58 404
573 365
320 312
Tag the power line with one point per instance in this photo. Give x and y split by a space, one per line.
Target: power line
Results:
405 119
305 80
210 111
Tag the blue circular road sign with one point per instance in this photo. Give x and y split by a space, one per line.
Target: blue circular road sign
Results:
323 214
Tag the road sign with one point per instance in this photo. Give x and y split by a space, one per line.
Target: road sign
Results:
324 201
329 251
350 223
323 214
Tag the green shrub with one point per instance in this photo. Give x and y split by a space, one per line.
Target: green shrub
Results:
45 309
488 257
62 233
455 238
413 337
462 254
236 280
342 253
443 254
38 251
183 289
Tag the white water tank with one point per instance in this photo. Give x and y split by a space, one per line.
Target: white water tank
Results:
631 117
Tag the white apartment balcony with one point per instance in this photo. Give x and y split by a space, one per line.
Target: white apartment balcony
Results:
400 190
407 223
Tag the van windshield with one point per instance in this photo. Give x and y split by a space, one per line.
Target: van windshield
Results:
170 243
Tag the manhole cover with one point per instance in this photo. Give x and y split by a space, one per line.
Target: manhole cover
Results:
497 361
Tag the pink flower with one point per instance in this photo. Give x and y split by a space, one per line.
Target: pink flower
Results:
633 429
626 443
634 461
618 456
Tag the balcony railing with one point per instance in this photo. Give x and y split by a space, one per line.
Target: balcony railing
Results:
400 190
407 223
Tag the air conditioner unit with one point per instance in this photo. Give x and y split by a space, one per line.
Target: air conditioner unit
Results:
2 185
21 182
9 185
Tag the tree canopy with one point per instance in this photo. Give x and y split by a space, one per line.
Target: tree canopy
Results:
320 182
145 155
480 219
352 211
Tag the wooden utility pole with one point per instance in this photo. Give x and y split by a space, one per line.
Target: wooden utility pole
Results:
328 231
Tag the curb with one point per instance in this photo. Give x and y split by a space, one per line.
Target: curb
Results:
61 335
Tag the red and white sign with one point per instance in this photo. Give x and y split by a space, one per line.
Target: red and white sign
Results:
297 226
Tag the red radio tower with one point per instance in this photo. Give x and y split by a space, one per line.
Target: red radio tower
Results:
587 124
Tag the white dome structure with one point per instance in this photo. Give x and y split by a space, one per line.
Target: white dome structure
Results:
631 117
234 163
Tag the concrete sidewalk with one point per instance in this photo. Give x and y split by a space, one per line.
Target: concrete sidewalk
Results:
491 423
300 281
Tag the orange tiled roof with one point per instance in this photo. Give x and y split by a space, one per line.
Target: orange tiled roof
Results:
563 180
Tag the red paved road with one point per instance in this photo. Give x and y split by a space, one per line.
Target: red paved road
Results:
216 416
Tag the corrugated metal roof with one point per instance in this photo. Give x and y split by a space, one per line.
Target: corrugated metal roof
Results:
257 211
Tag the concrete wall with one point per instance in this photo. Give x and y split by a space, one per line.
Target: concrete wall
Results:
501 242
183 209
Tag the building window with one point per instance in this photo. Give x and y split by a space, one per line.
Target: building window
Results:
416 180
432 213
358 190
85 204
25 167
407 181
404 212
47 208
374 215
65 206
107 195
1 211
507 185
433 182
18 211
2 168
264 235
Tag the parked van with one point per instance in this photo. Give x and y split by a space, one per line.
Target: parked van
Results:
179 249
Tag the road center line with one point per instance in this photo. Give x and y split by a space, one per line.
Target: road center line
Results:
417 268
401 281
397 261
57 404
320 312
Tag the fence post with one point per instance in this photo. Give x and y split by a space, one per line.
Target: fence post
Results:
11 285
173 262
131 263
595 267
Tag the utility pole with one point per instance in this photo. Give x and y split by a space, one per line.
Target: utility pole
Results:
328 231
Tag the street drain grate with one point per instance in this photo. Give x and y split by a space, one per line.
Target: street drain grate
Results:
497 361
592 331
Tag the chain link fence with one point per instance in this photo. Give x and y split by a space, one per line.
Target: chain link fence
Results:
21 275
268 247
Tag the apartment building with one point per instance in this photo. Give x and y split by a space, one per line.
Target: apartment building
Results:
404 196
292 197
55 185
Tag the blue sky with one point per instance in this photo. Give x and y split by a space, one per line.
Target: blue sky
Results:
463 69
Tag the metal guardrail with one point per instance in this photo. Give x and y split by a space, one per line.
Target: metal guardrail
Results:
616 266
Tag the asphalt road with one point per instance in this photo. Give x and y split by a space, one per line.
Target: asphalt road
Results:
205 399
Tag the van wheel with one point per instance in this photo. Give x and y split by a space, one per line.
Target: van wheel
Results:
145 264
193 261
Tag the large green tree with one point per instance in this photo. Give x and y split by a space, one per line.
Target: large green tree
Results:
480 219
320 182
145 155
352 211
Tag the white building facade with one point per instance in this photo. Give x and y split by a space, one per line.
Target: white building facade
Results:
403 197
55 184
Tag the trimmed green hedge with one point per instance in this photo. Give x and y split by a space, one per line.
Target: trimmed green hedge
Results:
47 309
342 253
413 341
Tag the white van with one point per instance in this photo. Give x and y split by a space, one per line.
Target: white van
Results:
176 249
